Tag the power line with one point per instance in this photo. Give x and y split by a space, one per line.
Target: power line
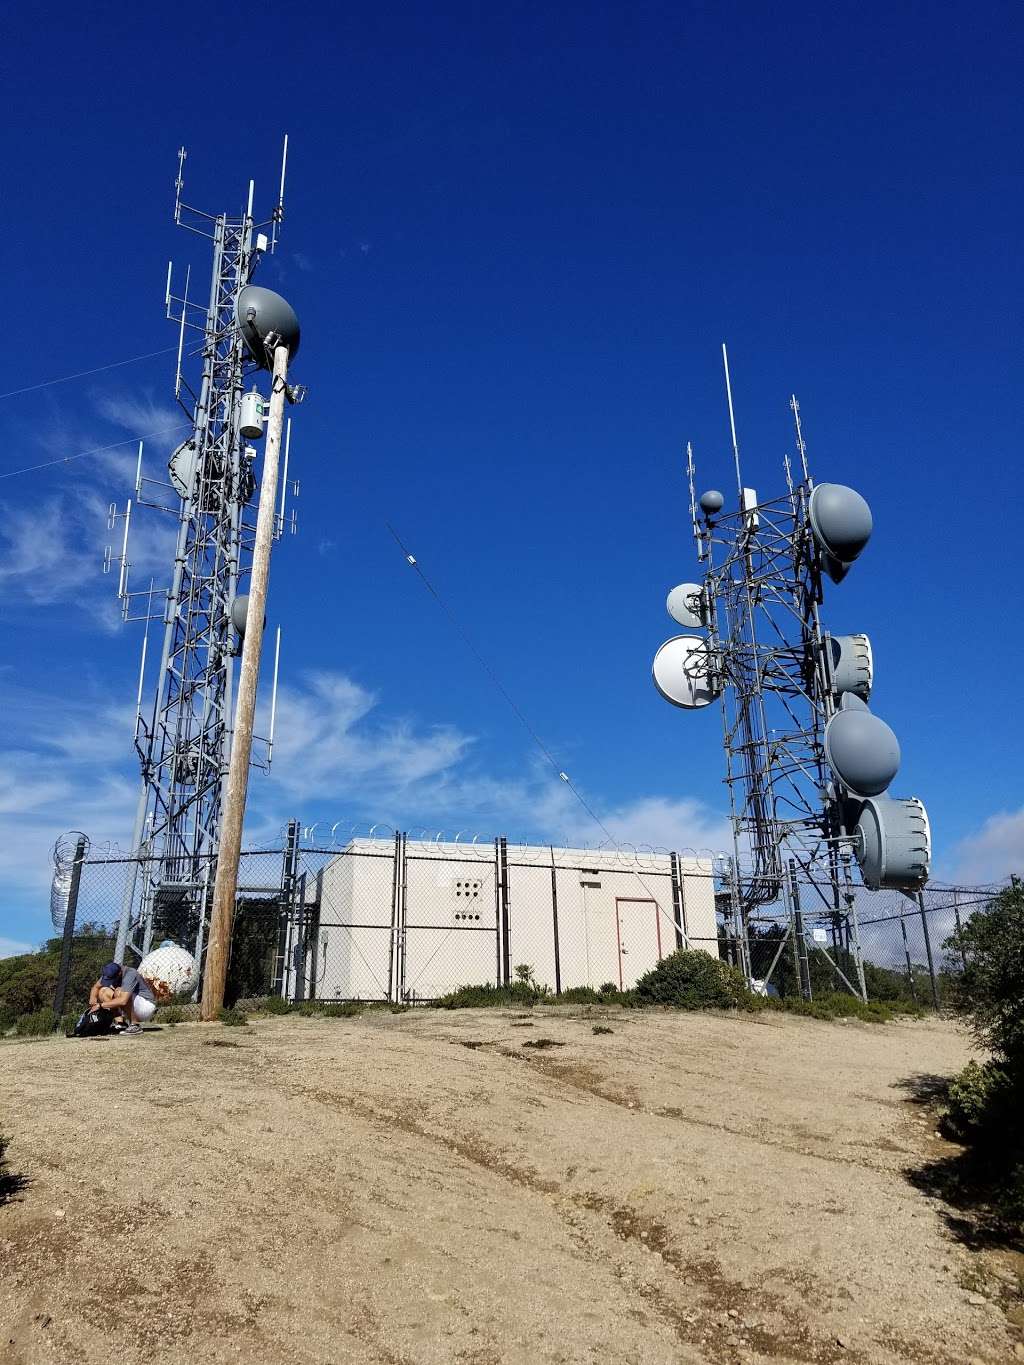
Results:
519 714
82 374
96 450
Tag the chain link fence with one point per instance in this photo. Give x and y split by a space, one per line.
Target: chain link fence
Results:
403 921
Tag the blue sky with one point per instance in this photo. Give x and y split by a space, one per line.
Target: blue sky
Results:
516 240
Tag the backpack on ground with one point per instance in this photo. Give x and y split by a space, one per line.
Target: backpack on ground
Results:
93 1024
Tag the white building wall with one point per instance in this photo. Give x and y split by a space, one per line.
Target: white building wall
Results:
615 917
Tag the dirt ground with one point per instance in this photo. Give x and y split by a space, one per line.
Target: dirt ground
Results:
422 1187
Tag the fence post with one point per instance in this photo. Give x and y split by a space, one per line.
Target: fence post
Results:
403 914
804 967
928 949
906 954
678 911
959 930
393 940
554 923
69 929
506 935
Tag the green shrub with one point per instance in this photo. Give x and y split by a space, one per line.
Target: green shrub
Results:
342 1009
37 1024
274 1004
232 1017
578 995
839 1005
693 980
980 1101
990 991
489 996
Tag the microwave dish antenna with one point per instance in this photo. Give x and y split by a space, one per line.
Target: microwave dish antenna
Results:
807 764
685 604
683 672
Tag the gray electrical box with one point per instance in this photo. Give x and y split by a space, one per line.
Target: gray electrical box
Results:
253 414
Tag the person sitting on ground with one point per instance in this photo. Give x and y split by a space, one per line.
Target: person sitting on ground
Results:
127 994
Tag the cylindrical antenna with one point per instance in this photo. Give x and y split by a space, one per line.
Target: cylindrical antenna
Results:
732 421
273 699
279 211
142 677
284 481
122 582
799 435
181 334
167 290
248 207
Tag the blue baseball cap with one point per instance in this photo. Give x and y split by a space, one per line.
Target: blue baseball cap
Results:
111 974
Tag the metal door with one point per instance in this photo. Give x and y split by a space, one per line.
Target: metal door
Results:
638 936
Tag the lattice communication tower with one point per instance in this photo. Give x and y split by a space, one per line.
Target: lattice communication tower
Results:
183 736
807 763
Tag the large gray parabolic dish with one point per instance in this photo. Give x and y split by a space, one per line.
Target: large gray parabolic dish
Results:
852 665
862 752
260 312
894 843
841 522
685 604
681 672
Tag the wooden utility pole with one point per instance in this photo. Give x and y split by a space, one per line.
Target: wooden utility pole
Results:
225 888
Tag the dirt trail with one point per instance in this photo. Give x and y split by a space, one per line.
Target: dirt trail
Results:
423 1188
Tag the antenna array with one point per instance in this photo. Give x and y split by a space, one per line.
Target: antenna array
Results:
183 736
807 763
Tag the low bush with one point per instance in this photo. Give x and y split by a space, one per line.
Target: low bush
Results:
693 980
980 1102
839 1005
233 1018
274 1004
487 996
37 1024
986 1099
342 1009
578 995
176 1014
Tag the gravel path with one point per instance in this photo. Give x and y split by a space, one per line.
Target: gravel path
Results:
424 1188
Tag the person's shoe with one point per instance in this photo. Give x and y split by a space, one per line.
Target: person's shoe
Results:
131 1028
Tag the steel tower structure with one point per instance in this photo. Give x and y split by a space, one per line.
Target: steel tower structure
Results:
806 762
763 589
183 738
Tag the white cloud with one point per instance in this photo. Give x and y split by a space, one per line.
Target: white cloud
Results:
993 852
10 947
326 748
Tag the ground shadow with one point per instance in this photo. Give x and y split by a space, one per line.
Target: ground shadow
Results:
968 1180
11 1184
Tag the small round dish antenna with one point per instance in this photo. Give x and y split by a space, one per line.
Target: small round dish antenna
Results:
711 502
841 523
893 843
862 752
260 314
682 672
685 605
240 612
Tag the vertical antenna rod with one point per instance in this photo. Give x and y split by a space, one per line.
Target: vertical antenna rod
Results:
732 421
